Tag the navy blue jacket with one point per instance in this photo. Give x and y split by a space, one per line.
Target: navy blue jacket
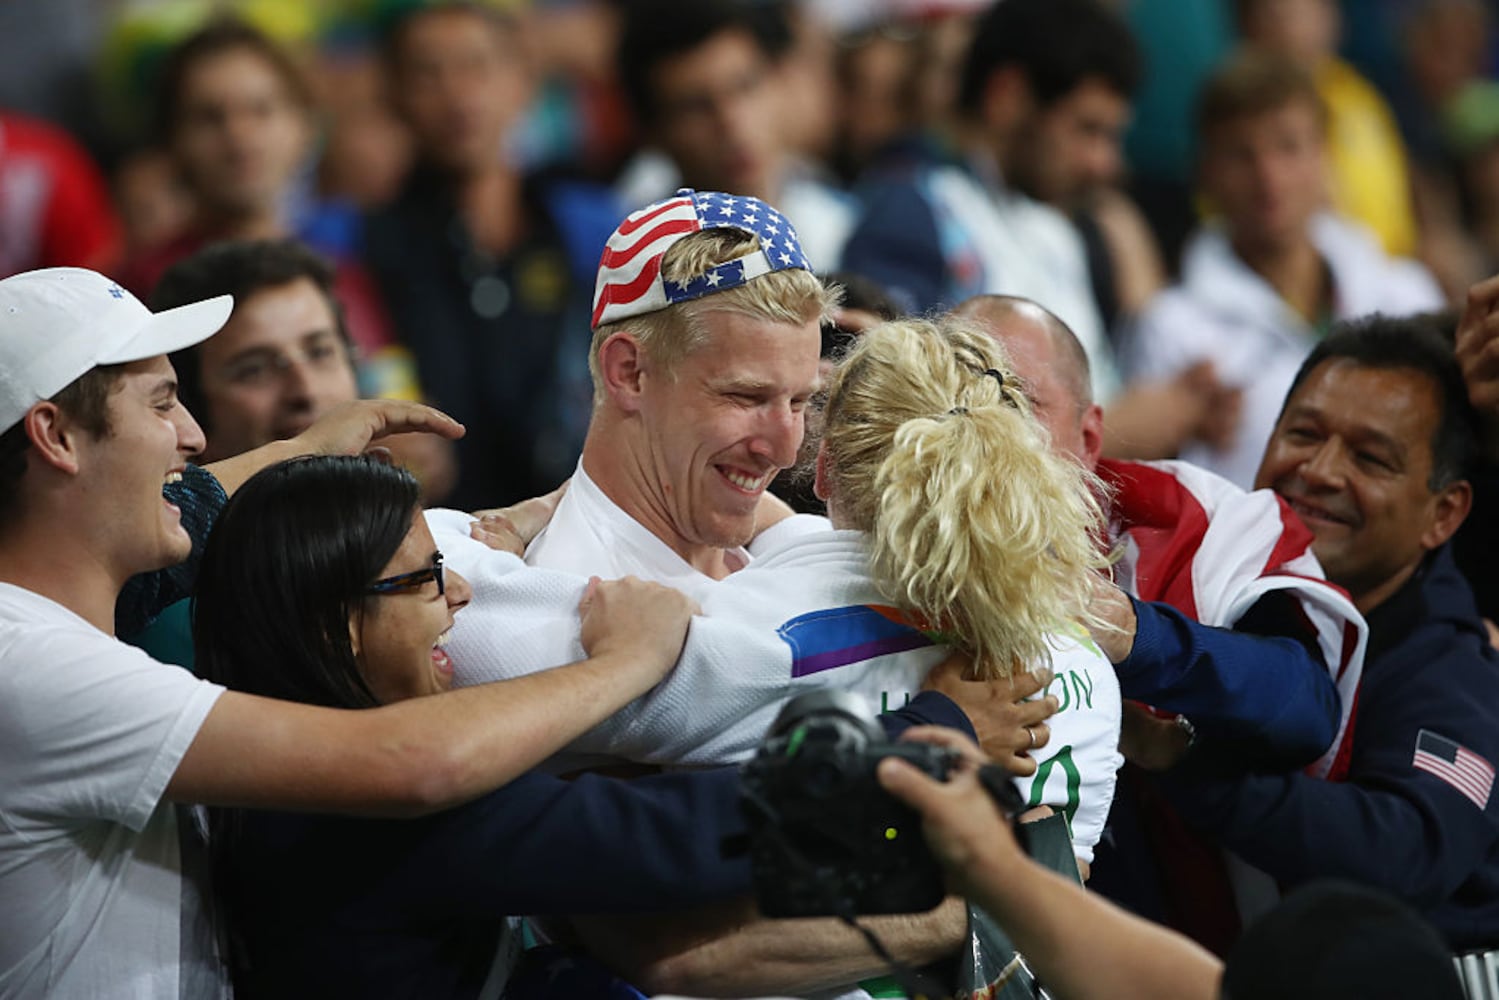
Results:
332 906
1390 824
1259 694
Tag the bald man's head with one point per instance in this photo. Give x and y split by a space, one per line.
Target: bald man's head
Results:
1052 364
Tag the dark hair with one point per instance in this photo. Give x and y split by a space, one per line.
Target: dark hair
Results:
240 268
1413 343
1336 940
1057 43
1254 83
657 30
284 569
398 19
85 400
221 35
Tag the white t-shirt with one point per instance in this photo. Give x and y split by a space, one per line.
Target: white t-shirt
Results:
93 902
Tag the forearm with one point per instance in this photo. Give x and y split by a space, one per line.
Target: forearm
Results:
408 758
1266 697
729 951
232 472
1083 947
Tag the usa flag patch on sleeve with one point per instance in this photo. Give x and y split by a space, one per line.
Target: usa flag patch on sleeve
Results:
1455 764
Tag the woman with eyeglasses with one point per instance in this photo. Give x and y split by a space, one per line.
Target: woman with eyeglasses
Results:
321 583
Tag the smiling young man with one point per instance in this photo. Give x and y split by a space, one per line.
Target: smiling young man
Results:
701 375
282 360
1371 450
99 741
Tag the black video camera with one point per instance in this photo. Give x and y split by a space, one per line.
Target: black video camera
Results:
825 838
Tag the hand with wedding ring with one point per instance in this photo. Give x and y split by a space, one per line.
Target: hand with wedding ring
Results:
1009 715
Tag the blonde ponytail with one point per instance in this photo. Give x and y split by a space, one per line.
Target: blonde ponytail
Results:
976 527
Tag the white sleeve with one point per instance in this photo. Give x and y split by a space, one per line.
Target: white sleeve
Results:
90 728
714 708
1077 769
711 709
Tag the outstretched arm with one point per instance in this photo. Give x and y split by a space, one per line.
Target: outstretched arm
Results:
1080 945
429 753
345 430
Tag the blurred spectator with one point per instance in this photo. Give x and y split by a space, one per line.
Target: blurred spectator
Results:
481 265
54 205
1365 153
1470 125
1069 156
950 224
1183 41
1263 283
1044 92
1445 44
876 98
155 206
707 85
578 118
366 149
236 115
897 66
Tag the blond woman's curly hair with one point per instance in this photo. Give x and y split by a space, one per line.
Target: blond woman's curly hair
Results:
976 527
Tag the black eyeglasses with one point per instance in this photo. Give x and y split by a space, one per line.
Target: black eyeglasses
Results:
409 581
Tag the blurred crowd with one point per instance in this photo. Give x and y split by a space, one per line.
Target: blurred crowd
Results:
1197 188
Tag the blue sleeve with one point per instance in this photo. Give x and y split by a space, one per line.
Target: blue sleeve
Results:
200 498
542 845
1260 701
1390 824
928 708
896 245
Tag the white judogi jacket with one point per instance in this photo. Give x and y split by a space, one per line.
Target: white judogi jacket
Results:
802 616
1227 314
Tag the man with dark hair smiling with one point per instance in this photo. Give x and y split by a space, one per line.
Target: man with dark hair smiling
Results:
1371 450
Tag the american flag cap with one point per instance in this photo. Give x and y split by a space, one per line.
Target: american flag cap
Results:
630 281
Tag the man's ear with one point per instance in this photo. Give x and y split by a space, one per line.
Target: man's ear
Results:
53 436
1091 425
1449 508
621 366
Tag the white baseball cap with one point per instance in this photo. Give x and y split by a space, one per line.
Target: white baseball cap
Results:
58 323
